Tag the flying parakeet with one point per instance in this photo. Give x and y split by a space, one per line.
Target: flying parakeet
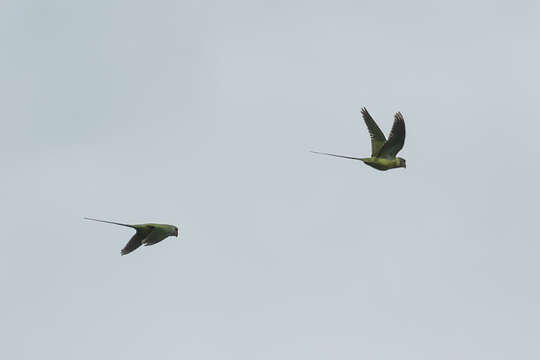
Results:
383 152
146 234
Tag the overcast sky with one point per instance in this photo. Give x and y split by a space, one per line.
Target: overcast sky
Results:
202 114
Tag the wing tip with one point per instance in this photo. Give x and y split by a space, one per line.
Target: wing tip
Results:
364 111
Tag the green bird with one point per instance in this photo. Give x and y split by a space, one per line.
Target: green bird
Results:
383 152
146 234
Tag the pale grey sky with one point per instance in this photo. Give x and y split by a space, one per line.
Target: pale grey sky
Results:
202 114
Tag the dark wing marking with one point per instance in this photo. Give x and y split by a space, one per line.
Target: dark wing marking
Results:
341 156
136 240
377 136
396 139
155 236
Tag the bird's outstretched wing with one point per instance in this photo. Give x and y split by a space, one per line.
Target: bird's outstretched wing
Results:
377 136
396 139
136 240
341 156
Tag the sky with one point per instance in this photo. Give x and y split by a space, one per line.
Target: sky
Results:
202 114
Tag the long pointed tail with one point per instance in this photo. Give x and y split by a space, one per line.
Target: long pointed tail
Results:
109 222
341 156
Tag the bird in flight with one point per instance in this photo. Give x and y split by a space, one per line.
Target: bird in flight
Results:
146 234
383 152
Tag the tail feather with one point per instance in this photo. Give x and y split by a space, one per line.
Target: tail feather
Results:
341 156
110 222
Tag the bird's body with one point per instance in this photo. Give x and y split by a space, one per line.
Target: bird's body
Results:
145 234
382 164
383 152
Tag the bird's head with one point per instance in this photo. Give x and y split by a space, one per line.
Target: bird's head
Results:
402 163
175 231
